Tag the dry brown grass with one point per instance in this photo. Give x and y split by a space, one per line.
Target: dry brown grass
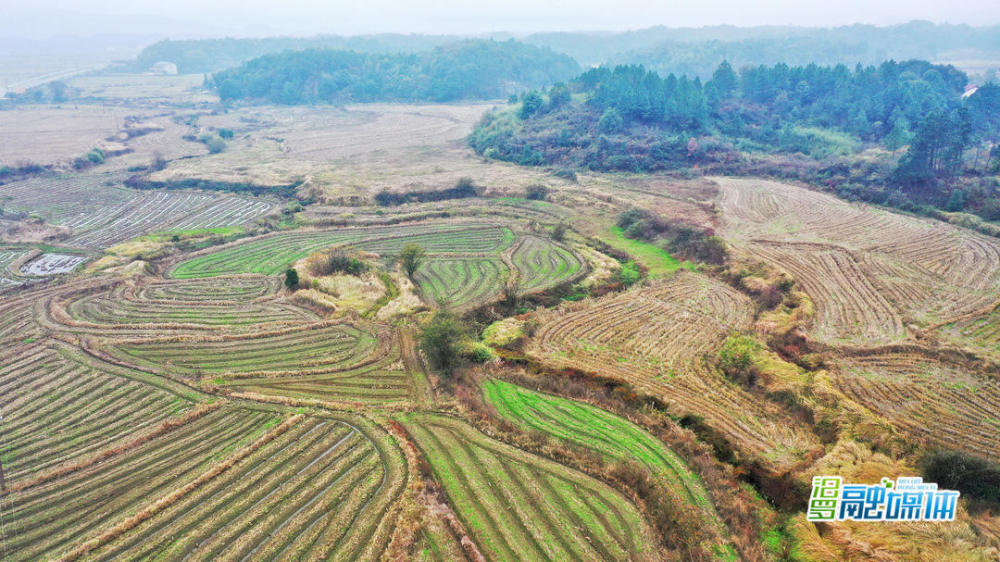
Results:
50 135
902 541
872 274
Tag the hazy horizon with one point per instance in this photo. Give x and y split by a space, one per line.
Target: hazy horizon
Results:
46 19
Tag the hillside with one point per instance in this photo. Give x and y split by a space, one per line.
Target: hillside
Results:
464 70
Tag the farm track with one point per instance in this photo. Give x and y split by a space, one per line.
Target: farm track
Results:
522 507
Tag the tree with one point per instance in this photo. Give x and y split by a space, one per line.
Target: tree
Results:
441 340
559 96
900 134
411 258
559 231
611 121
530 105
956 202
291 278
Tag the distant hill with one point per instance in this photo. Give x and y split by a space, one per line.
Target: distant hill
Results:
209 55
471 69
691 51
698 51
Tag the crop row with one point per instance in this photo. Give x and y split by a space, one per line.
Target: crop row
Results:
48 520
78 201
234 289
461 283
662 340
868 271
851 303
320 490
933 401
102 213
383 380
307 349
542 264
122 305
981 332
612 436
150 211
56 408
7 257
273 253
521 507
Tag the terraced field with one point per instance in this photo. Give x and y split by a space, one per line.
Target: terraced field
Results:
465 266
521 507
49 518
461 282
271 254
321 490
612 436
58 406
661 340
79 201
102 213
52 264
933 401
541 264
869 272
233 302
980 332
8 257
311 349
382 380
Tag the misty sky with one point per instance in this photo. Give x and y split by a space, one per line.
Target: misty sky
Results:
178 18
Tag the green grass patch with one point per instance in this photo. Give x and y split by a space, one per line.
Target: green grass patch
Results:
658 262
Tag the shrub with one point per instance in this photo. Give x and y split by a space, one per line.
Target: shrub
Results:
559 232
736 358
215 145
974 477
338 261
291 278
611 121
566 174
441 341
96 156
226 133
479 352
629 274
537 193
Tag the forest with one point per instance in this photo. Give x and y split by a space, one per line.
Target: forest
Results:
824 117
470 69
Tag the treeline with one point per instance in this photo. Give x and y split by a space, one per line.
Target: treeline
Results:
465 70
197 56
772 120
698 51
634 119
691 51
